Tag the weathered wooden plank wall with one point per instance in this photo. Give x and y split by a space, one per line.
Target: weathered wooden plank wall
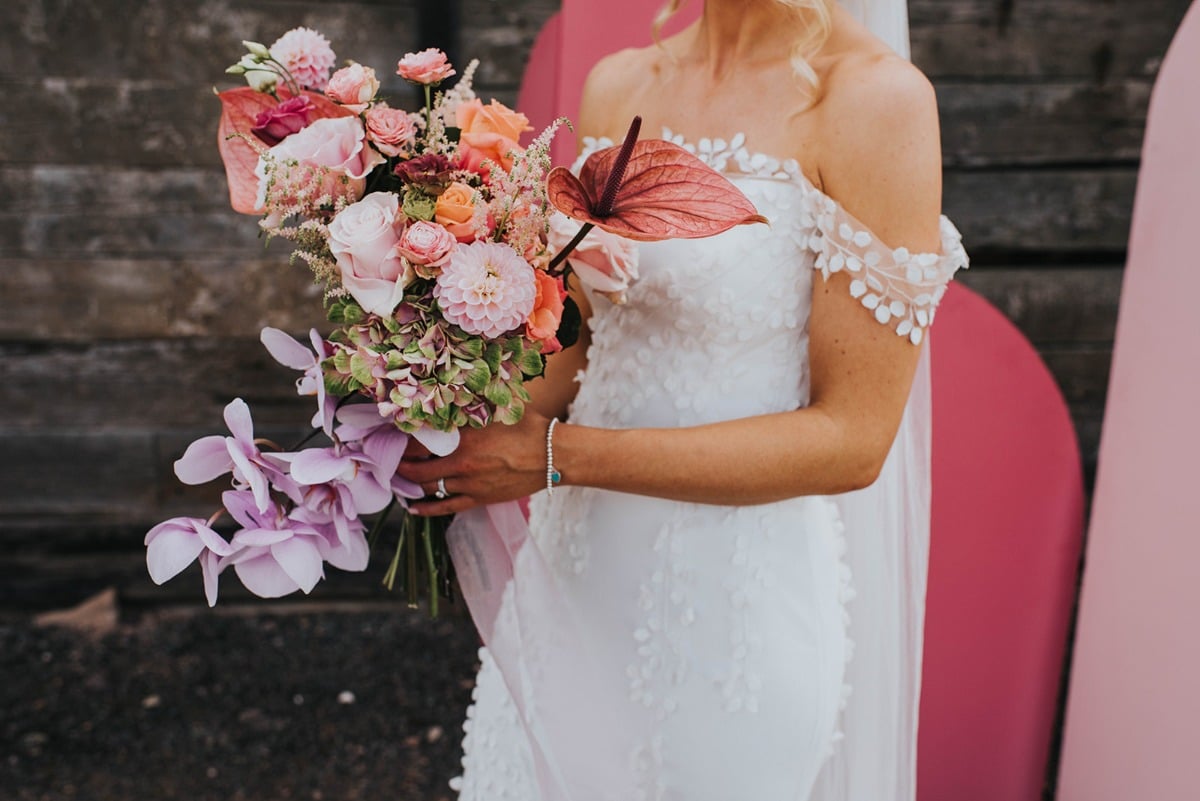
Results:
130 296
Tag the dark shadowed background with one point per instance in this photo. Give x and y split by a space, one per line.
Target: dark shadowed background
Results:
131 298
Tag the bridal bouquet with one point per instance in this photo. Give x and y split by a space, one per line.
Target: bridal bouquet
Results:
443 260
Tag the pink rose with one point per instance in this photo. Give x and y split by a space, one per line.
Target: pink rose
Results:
426 245
337 143
427 67
354 86
363 238
275 124
392 130
605 262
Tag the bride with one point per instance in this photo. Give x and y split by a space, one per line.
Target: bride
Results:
722 592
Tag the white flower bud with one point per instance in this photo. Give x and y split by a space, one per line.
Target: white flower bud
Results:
260 80
257 50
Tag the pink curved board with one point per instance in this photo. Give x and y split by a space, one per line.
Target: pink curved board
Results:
1007 506
1133 718
1004 553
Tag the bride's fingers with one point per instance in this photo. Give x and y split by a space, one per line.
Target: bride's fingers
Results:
427 471
436 508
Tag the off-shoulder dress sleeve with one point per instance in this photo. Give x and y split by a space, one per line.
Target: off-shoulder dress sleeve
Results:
902 289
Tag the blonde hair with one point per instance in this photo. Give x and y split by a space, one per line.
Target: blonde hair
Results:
814 37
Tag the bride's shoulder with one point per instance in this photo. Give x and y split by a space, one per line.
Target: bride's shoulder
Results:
873 91
879 145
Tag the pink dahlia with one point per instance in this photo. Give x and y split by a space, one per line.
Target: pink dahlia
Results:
307 55
486 289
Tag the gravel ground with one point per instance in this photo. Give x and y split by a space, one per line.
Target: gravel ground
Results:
320 705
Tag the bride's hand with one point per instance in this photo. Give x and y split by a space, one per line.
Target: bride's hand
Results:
492 464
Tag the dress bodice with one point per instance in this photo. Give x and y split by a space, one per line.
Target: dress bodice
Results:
717 328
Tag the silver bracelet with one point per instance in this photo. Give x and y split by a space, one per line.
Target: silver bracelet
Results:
552 475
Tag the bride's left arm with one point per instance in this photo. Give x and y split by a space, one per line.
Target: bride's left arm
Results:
886 171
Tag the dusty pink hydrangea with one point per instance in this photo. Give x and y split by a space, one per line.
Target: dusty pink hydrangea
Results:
307 55
486 289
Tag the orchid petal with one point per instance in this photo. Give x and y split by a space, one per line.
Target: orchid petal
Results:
369 494
361 415
170 551
406 489
264 577
204 460
439 443
237 418
300 558
286 350
213 541
249 473
352 554
260 537
385 448
243 508
210 567
321 465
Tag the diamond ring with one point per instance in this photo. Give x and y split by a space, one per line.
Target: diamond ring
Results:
441 493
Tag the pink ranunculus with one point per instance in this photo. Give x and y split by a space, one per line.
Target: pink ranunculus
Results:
427 245
391 130
353 86
603 261
273 125
363 238
336 143
427 67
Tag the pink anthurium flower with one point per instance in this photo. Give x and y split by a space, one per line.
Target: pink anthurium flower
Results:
290 353
274 555
648 191
240 109
174 544
210 457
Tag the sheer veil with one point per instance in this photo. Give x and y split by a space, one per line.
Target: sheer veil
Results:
887 553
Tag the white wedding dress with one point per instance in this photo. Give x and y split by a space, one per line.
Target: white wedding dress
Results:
714 647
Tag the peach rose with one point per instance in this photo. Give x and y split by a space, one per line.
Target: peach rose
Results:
354 86
455 210
489 132
391 130
604 262
427 67
547 313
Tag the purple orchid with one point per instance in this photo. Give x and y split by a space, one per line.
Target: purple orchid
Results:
274 555
290 353
174 544
211 457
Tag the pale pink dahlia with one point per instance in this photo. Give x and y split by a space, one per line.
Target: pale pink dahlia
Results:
486 289
307 55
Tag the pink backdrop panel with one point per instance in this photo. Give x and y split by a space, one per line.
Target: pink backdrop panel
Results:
1004 553
1133 718
571 43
